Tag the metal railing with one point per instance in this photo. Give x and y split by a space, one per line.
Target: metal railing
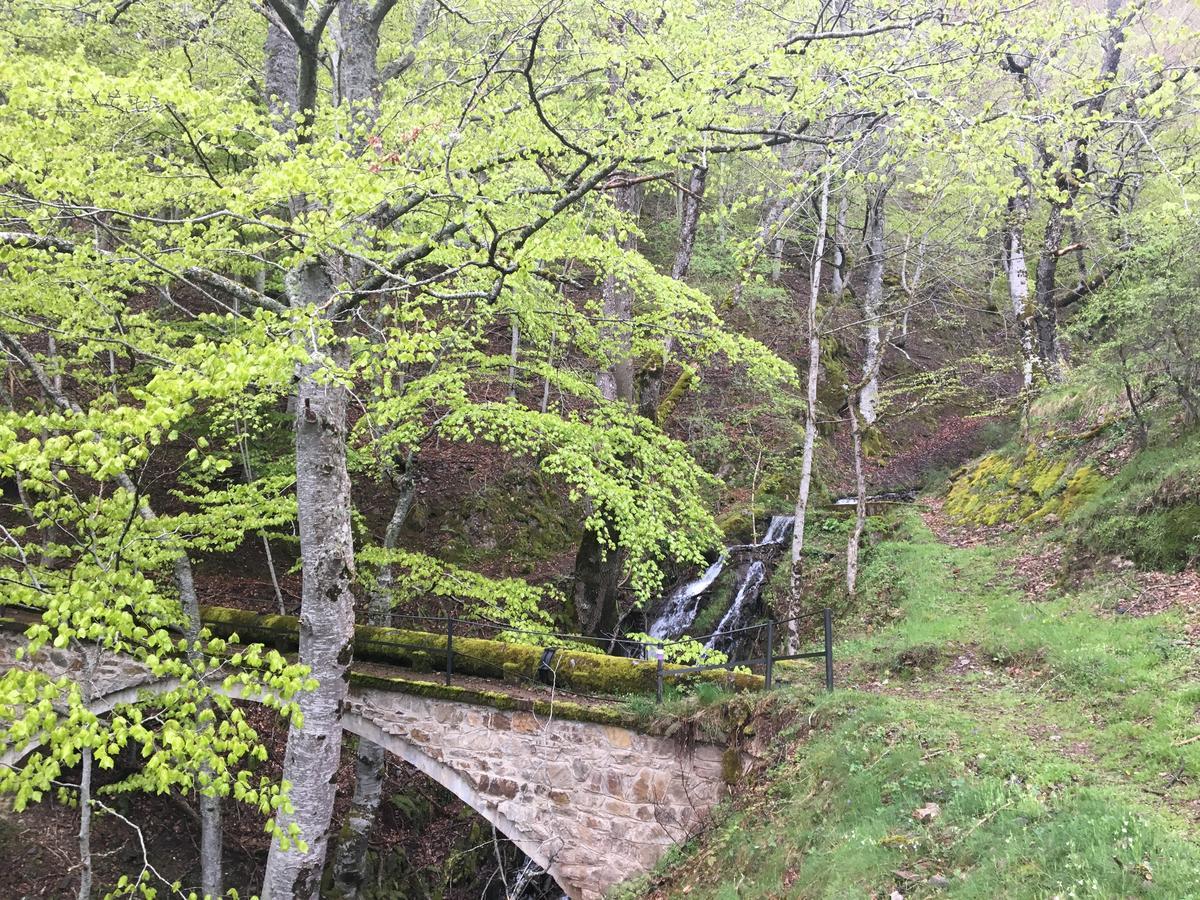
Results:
654 651
767 660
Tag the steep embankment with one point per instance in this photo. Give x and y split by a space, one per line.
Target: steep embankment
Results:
1007 726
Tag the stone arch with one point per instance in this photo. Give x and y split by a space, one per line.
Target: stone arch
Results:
462 788
592 803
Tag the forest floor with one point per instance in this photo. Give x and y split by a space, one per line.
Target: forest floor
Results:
1004 726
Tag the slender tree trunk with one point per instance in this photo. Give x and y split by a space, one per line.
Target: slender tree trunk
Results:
1046 311
810 420
838 282
1046 321
85 824
873 309
513 350
860 505
91 659
1017 272
327 605
650 392
772 225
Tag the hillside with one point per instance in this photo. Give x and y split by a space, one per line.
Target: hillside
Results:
1018 712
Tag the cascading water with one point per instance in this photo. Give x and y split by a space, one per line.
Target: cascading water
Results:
680 608
741 609
777 531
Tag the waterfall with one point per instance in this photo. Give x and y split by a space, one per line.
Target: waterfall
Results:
777 531
742 607
679 610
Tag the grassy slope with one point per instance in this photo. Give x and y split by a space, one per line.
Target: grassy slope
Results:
1054 740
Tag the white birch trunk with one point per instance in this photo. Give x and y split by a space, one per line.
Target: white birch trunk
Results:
1017 273
873 310
810 421
838 281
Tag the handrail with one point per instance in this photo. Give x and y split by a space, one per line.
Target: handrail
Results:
452 626
768 661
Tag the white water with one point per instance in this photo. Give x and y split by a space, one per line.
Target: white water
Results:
680 609
778 530
741 606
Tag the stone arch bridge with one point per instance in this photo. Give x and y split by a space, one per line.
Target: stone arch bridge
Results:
583 792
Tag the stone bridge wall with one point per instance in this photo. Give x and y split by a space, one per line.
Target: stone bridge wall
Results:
593 803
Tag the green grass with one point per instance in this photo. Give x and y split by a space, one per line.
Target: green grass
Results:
1043 763
1149 512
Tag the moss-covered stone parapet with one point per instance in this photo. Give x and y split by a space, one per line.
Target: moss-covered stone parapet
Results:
572 669
562 709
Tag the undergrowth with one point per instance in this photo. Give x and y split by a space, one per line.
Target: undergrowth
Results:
1060 765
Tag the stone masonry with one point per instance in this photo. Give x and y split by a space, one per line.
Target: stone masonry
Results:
593 804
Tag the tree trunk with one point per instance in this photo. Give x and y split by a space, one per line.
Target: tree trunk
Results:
597 583
85 824
810 420
838 281
281 71
616 380
873 309
350 862
1071 181
772 225
860 498
1017 272
327 605
513 350
650 390
598 568
1046 312
356 75
91 660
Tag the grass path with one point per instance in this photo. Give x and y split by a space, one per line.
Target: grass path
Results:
984 745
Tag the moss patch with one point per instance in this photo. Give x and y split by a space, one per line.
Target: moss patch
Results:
1027 485
575 670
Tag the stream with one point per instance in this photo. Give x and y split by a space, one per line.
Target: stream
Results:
681 606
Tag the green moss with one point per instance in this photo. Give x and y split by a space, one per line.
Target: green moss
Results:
576 712
576 670
731 765
1020 486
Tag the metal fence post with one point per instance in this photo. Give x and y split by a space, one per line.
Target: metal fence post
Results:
658 680
449 648
828 649
769 674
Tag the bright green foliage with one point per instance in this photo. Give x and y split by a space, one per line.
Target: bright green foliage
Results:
1145 325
